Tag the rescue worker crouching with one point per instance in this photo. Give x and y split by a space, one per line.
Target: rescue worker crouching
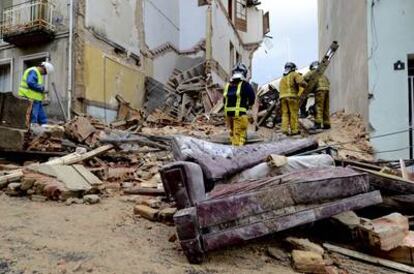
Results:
32 87
290 86
322 117
238 96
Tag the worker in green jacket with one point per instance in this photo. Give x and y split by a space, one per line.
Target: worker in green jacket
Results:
321 91
32 87
290 87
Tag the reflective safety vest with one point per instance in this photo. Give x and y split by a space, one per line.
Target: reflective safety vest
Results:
236 109
25 91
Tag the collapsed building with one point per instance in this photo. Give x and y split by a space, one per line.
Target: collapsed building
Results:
106 48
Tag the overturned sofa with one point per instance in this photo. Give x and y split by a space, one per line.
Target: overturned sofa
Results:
216 212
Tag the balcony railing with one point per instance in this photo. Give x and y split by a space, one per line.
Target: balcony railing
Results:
32 17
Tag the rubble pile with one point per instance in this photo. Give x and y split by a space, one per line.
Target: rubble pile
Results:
186 97
349 136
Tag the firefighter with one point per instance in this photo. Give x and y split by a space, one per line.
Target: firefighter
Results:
290 86
322 119
239 96
32 87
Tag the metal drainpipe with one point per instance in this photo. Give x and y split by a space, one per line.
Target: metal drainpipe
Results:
70 60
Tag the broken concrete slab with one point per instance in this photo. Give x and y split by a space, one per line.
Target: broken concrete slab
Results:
384 233
91 199
15 111
75 178
12 139
308 262
305 245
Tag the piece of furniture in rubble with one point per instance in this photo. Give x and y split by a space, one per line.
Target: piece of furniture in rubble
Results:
234 213
220 162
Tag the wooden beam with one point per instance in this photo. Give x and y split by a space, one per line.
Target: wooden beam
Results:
75 158
388 183
370 259
12 177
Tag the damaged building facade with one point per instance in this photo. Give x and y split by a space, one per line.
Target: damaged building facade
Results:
101 49
373 71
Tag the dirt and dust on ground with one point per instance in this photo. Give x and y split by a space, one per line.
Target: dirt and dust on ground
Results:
107 238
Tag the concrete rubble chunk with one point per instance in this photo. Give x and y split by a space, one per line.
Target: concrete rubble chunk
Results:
384 233
167 214
13 189
305 245
152 203
146 212
27 184
91 199
308 262
72 201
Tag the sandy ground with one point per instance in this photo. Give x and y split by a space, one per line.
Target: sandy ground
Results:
106 238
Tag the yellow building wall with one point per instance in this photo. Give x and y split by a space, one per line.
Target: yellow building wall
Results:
106 77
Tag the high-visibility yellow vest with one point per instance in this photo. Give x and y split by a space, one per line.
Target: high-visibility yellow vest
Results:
25 91
236 109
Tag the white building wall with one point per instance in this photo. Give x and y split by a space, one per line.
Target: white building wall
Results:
115 20
254 32
193 23
162 22
223 35
390 39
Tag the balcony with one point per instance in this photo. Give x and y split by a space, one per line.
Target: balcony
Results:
29 23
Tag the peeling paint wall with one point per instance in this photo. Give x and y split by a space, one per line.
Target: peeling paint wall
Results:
115 20
103 69
107 76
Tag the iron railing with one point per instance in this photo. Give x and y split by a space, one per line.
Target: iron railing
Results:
31 15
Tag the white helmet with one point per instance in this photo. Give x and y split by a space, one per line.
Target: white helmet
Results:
48 67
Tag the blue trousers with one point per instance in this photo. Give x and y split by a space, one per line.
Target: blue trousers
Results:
38 114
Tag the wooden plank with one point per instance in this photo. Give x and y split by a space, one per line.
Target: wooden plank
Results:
12 177
74 158
369 259
267 224
299 188
87 175
388 183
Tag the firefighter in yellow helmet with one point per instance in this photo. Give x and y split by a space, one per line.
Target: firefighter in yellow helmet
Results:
289 87
322 119
238 96
32 87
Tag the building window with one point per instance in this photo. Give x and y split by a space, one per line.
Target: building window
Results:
241 15
6 79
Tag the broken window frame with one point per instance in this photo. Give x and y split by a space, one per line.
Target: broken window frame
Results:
241 15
